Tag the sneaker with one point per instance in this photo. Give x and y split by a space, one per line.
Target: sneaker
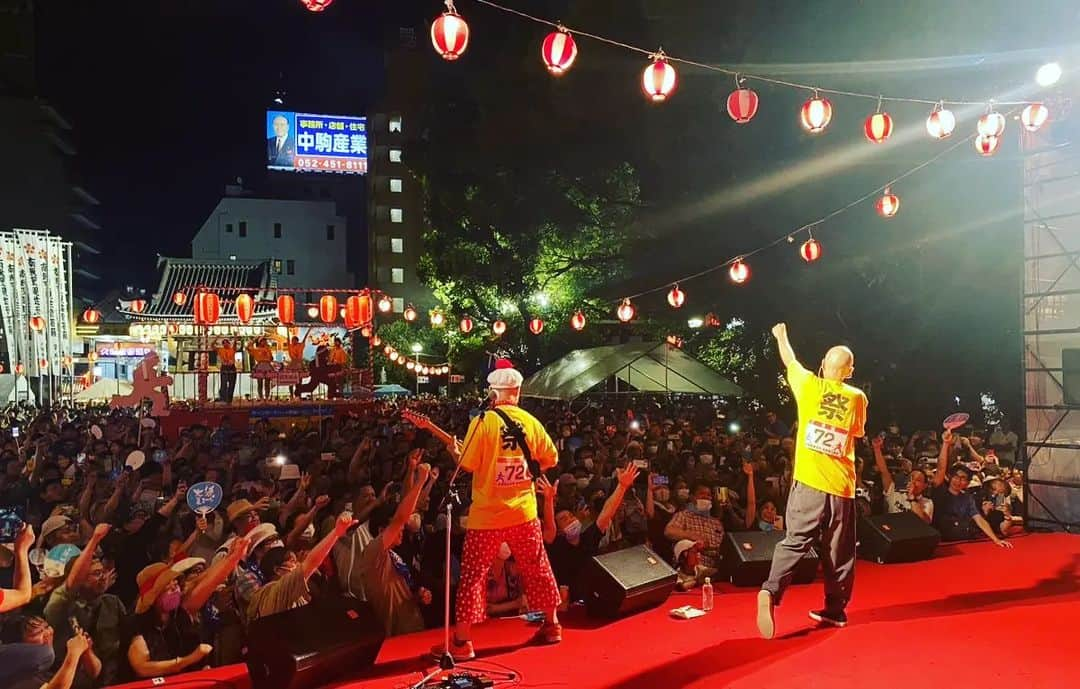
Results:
460 651
548 633
829 618
765 623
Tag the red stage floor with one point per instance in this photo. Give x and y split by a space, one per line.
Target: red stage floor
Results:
975 615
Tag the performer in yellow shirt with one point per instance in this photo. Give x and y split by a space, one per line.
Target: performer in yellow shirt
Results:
263 370
226 354
338 355
504 511
832 416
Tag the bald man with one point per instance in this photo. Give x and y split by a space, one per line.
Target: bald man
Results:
832 415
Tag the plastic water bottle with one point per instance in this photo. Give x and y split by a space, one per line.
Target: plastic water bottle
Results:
707 595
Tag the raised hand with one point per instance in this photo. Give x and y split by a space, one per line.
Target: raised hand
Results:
201 524
239 547
344 522
25 539
779 330
877 442
305 481
626 476
101 531
261 504
748 469
544 487
322 501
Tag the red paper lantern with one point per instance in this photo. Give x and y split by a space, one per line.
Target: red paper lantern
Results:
676 297
91 357
626 311
137 305
742 105
410 313
245 308
37 323
328 308
888 204
577 321
1034 116
659 79
810 250
450 33
536 326
91 316
992 124
20 369
68 361
940 123
498 327
878 127
387 349
286 309
376 341
410 365
43 363
172 328
466 325
358 310
816 114
987 145
207 308
558 51
385 304
739 272
316 5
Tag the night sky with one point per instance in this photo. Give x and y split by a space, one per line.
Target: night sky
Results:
167 100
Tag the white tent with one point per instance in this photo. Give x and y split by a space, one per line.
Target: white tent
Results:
636 367
15 388
104 389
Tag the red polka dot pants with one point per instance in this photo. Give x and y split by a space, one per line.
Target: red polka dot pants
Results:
527 546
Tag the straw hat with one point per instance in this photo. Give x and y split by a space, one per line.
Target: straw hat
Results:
238 508
152 581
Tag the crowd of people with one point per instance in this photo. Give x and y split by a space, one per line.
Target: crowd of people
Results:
150 588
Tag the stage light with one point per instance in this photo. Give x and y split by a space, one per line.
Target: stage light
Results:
1048 74
734 427
695 323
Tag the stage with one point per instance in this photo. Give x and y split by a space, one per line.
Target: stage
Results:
976 615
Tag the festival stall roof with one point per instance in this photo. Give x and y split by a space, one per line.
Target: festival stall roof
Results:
643 367
104 389
391 391
225 277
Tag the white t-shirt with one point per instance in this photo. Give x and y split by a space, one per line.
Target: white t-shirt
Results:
346 554
898 501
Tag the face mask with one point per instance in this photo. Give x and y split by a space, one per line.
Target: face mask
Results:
573 531
702 506
504 552
683 493
582 483
169 601
707 460
588 461
414 522
309 532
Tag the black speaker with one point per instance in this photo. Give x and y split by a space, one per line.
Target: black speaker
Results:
1070 376
747 558
626 581
313 645
901 537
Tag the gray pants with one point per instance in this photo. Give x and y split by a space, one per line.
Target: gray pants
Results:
810 514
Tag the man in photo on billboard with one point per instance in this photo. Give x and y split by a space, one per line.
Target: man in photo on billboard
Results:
281 147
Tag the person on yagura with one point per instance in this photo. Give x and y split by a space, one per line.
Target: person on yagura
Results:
504 510
832 415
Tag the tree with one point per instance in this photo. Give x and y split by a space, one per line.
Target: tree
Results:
744 353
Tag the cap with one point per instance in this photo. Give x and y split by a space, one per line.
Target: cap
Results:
53 523
261 533
682 546
505 376
182 566
237 509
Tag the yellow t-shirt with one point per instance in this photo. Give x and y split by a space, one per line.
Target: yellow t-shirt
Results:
502 487
296 352
832 414
261 355
226 356
339 356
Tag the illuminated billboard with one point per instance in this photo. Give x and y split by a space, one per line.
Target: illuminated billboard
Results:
303 142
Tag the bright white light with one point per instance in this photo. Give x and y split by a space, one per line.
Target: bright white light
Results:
417 348
1048 74
735 323
695 323
542 299
734 427
312 311
279 460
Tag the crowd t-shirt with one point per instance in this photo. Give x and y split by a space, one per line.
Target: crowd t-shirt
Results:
286 593
502 485
832 414
897 501
387 591
568 560
952 508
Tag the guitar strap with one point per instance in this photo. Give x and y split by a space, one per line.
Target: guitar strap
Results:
518 434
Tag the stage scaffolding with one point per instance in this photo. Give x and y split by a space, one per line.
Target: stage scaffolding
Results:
1051 317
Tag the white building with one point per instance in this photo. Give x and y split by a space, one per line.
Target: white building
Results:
304 241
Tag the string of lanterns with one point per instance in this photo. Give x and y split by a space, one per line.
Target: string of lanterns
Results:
414 366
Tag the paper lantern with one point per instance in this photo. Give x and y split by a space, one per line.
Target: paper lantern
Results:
742 105
878 127
91 316
992 124
425 370
286 309
739 272
37 323
466 325
245 308
20 369
498 327
558 51
810 250
888 204
316 5
816 114
450 33
577 321
536 326
987 145
940 123
387 349
92 357
137 305
659 79
207 308
376 341
437 319
358 309
1034 116
43 364
410 365
68 361
626 311
179 298
385 304
676 297
328 308
394 356
410 313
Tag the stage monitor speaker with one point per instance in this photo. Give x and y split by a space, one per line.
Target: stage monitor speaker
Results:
313 645
1070 376
901 537
748 557
626 581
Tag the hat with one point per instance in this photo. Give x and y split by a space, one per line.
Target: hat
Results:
152 581
261 533
53 523
505 376
682 546
182 566
238 508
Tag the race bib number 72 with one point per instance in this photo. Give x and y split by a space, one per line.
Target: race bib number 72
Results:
511 471
826 439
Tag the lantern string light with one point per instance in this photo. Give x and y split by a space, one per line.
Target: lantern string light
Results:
741 75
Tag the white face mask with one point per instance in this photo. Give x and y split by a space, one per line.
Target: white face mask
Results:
588 463
706 459
309 532
504 551
703 505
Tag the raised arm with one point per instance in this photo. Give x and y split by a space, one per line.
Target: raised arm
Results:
546 491
322 548
751 495
216 575
787 354
407 505
304 520
943 458
611 506
19 596
82 564
883 468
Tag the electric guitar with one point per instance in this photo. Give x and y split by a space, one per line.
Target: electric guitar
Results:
422 421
